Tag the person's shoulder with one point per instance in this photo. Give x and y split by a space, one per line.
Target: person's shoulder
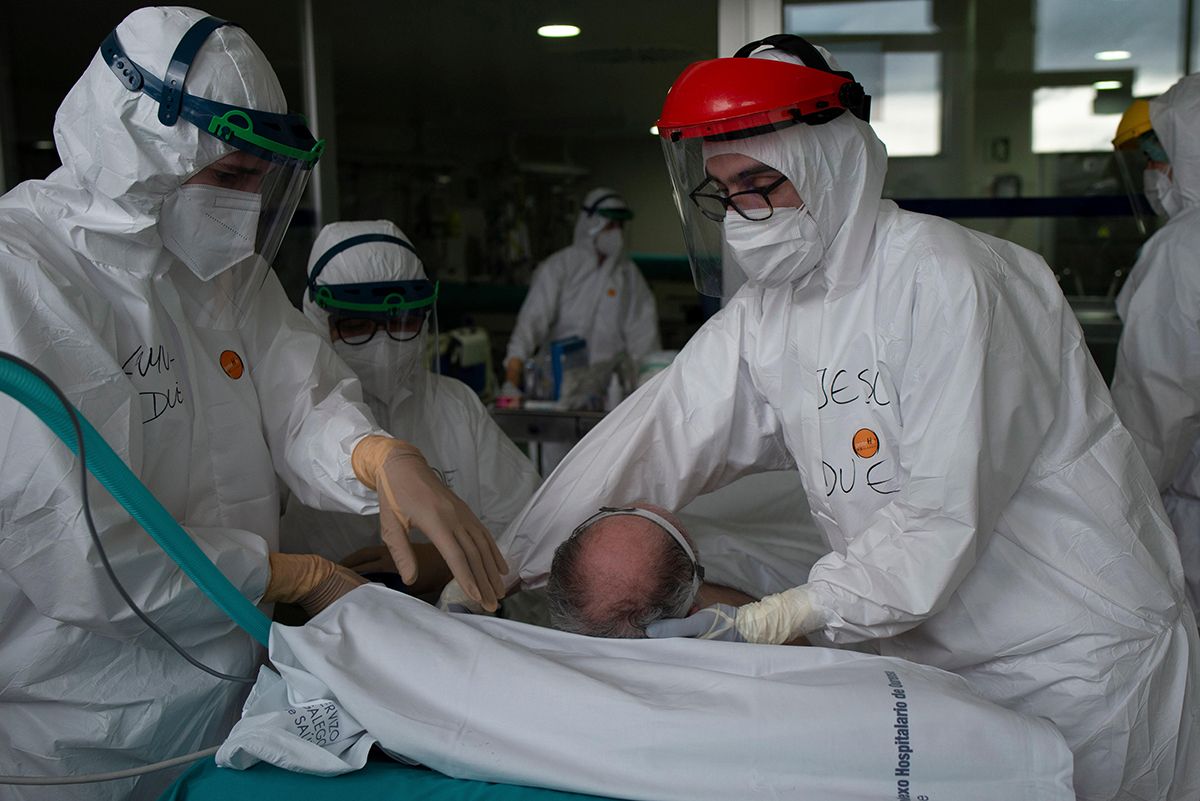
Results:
941 256
454 398
560 260
1176 247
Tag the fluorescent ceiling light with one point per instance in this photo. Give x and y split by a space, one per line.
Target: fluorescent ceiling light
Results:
1113 55
1107 85
654 130
558 31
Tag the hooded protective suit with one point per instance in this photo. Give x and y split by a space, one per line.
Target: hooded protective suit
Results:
440 415
206 418
985 509
581 292
1156 386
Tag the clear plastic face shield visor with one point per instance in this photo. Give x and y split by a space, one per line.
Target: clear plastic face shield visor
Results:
264 178
712 107
711 180
1134 157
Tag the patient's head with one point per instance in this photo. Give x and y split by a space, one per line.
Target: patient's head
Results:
620 572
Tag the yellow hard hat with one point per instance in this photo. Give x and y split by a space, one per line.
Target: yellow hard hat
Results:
1134 122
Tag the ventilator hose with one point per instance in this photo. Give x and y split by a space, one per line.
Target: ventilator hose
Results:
33 389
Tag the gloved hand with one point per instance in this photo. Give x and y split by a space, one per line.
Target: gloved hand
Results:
410 494
453 599
309 580
716 622
431 567
774 620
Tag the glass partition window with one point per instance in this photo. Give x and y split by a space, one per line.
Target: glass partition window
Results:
1092 57
882 44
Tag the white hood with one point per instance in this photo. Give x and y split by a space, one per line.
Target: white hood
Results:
1175 116
119 161
588 225
838 170
361 264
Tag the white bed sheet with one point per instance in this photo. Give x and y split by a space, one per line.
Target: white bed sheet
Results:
497 700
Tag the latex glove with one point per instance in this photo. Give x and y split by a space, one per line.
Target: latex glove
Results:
372 559
716 622
309 580
411 494
774 620
454 599
378 559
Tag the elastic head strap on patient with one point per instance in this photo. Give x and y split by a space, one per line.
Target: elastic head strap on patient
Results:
658 520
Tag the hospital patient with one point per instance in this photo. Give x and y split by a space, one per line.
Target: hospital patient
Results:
623 568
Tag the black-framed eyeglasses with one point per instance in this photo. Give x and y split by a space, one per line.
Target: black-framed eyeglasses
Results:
752 204
361 330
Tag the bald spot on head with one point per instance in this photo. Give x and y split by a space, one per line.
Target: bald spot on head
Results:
619 560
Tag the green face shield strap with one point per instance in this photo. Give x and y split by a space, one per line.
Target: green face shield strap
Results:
281 138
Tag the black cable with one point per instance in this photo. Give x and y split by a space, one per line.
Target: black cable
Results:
87 516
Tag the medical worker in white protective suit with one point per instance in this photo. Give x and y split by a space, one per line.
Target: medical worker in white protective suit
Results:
368 292
589 289
137 278
985 509
1156 385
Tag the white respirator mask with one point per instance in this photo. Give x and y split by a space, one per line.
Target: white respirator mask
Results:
610 241
778 250
382 365
1162 193
209 228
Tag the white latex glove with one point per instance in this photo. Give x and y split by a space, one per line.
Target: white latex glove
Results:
774 620
410 494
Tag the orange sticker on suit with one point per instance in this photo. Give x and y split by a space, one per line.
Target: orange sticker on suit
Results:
866 444
232 364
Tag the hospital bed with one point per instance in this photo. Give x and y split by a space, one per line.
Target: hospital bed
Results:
378 781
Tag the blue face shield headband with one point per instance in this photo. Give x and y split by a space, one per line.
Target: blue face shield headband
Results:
279 138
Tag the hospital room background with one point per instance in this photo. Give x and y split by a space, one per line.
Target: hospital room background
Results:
479 137
479 128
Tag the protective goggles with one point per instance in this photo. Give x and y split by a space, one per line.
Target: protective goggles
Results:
619 213
665 525
273 137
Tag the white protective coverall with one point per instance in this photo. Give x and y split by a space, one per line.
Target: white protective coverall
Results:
1156 385
89 296
579 292
986 511
441 416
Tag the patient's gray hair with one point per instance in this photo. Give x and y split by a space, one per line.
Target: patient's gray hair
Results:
573 594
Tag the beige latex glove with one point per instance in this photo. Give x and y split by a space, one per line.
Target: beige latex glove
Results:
309 580
513 368
410 494
431 567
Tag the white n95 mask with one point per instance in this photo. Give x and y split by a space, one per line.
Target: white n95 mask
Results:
382 365
209 228
1162 193
610 241
778 250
